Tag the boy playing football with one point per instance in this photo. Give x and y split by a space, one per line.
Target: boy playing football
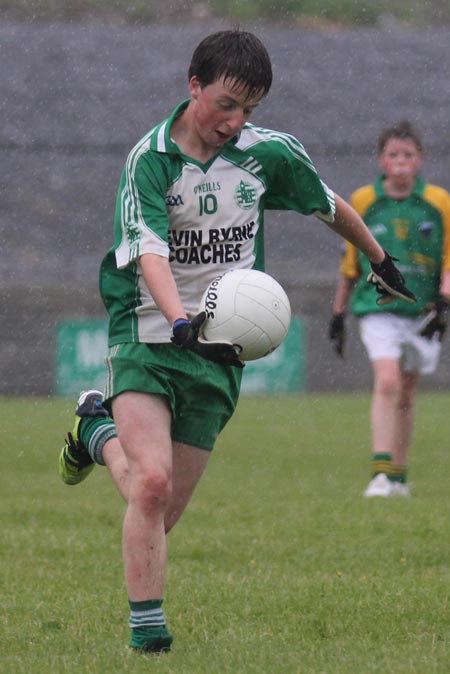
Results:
403 340
190 206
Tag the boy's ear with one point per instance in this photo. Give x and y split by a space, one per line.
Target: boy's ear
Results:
194 87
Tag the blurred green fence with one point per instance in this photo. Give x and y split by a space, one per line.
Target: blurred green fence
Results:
81 348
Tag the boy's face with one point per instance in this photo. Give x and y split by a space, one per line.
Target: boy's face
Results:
220 110
400 159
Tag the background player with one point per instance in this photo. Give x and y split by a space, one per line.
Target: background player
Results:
412 220
190 206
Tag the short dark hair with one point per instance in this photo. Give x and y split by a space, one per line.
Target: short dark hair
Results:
234 55
403 130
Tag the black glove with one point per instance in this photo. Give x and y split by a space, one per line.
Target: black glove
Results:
187 335
436 320
389 282
336 333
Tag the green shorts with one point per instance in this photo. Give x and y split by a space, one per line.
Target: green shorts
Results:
202 395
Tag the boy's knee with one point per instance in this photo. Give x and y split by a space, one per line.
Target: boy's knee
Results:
388 386
152 489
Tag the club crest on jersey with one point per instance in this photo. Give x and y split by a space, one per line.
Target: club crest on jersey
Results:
245 195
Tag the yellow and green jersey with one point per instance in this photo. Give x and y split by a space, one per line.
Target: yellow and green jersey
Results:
415 230
206 218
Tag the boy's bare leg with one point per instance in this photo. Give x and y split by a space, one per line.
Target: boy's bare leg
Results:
385 400
393 411
188 466
143 426
405 418
117 464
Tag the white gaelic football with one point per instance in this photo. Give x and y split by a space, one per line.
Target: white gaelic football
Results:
249 309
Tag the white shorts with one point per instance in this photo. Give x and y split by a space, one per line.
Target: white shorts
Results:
396 337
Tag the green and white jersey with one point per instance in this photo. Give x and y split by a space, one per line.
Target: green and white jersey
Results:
205 218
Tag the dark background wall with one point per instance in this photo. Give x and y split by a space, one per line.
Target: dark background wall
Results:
75 99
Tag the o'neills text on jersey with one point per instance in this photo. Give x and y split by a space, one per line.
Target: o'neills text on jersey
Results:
207 187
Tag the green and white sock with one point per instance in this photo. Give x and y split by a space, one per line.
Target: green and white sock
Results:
148 626
146 613
94 433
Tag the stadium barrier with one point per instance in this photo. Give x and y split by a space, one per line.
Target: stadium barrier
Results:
81 347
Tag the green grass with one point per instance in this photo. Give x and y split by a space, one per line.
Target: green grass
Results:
279 566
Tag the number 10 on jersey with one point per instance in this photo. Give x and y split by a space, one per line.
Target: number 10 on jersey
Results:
207 204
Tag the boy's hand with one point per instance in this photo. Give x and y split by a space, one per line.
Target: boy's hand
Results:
389 282
436 320
187 335
336 333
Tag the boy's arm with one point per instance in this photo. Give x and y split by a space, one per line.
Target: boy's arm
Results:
348 224
336 328
159 280
445 285
186 333
385 276
344 288
435 322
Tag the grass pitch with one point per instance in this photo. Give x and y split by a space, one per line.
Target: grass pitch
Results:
279 566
